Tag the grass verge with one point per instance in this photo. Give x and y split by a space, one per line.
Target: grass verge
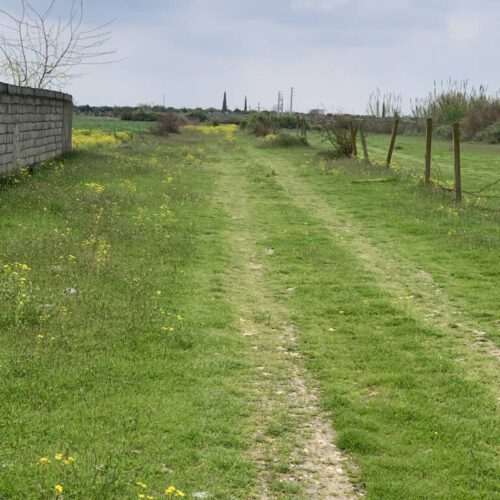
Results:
117 348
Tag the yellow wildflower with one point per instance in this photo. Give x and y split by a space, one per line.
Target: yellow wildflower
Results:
141 485
94 186
170 490
58 456
179 493
58 489
44 460
85 138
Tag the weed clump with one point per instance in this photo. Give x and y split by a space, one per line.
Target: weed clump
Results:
284 141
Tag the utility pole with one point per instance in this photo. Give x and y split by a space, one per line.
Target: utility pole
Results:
163 100
281 102
292 91
258 107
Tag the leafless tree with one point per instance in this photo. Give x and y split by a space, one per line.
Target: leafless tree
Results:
39 50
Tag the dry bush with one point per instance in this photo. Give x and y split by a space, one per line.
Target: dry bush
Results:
169 123
337 132
480 116
262 124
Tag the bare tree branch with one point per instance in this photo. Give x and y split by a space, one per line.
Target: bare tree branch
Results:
37 50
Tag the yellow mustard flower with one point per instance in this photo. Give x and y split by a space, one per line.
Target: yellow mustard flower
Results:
58 489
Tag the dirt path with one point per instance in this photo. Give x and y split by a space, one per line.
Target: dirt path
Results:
294 440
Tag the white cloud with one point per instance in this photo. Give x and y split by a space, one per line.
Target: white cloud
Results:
325 5
467 27
333 54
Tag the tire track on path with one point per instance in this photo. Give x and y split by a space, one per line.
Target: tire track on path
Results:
413 289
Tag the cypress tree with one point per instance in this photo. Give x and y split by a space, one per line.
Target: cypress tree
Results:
224 103
246 105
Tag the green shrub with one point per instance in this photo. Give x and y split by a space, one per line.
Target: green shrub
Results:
262 124
456 101
443 132
140 115
490 135
197 115
284 141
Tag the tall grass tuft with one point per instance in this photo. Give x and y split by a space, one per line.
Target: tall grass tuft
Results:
456 101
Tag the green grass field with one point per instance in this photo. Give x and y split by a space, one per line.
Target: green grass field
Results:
234 321
480 162
110 124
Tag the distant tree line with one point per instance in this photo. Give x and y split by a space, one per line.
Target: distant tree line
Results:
147 113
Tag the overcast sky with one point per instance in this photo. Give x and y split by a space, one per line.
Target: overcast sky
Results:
334 52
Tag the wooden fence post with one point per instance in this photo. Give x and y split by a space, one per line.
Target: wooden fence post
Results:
363 142
458 174
393 142
428 152
354 133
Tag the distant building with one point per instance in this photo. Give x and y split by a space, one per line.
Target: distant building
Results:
317 112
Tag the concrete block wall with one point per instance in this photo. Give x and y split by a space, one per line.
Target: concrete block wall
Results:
35 125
